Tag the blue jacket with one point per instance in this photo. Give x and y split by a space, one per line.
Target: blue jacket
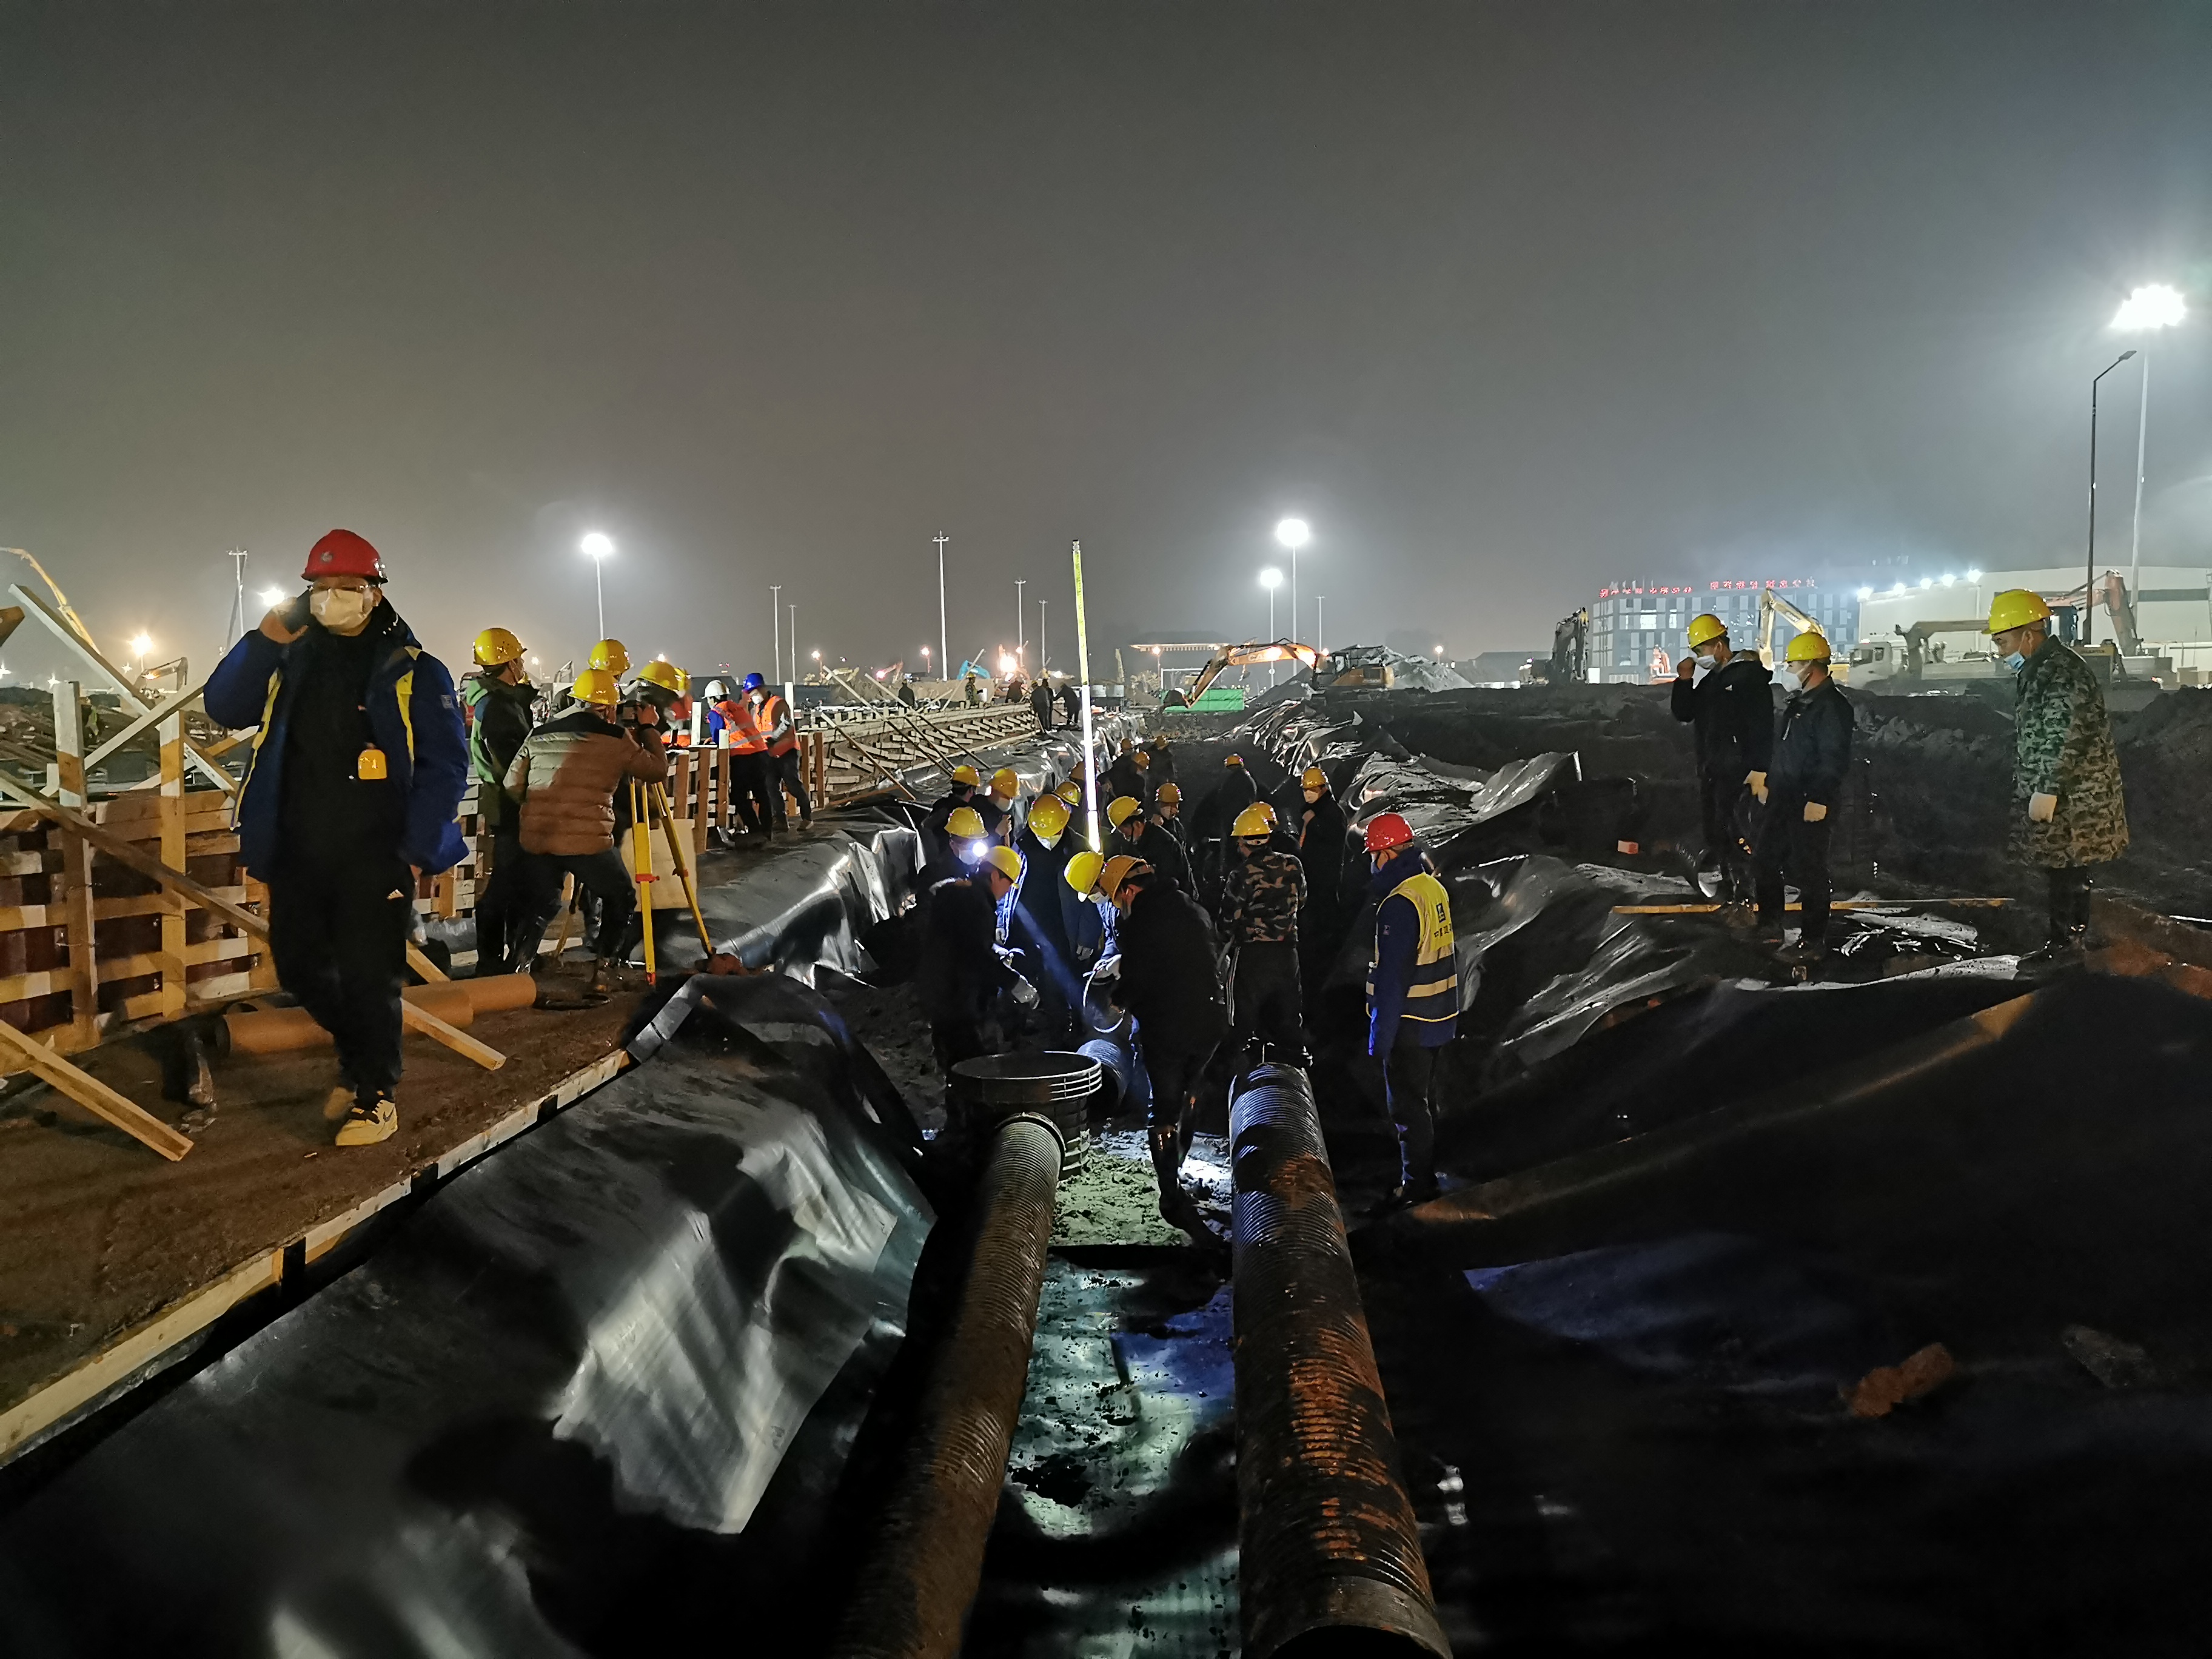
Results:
410 709
1397 943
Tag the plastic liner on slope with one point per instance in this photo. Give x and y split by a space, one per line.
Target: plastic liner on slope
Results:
593 1396
793 908
1631 1419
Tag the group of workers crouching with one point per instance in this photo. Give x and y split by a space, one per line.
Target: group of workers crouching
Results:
1203 932
358 768
1769 782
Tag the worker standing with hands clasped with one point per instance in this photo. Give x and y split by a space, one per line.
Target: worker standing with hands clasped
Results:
1733 711
356 774
2067 811
1797 799
1413 996
1259 905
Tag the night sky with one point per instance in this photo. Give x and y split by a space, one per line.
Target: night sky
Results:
1506 300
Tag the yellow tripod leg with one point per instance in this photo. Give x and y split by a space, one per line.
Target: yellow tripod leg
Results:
567 915
643 847
683 867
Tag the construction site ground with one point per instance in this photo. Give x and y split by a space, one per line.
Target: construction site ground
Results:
104 1235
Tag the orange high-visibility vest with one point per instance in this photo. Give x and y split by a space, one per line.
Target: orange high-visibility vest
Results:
743 734
771 712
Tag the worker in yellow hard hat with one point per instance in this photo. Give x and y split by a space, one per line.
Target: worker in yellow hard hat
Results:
1799 796
1260 900
962 971
501 706
2068 811
1170 981
1051 914
936 835
611 655
1323 839
565 781
660 697
997 804
1211 848
1134 833
1724 694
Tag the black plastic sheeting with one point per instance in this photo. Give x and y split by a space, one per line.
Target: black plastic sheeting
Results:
594 1396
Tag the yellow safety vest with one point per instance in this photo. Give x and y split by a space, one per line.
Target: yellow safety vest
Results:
1433 989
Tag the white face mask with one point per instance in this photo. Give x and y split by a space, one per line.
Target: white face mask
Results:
342 610
1709 664
2015 661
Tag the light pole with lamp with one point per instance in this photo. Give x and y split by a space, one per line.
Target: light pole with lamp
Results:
1041 651
2089 581
1021 625
944 643
775 622
2144 312
598 546
1270 578
1293 534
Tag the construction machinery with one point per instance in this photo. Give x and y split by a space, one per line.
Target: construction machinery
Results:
1570 661
1242 656
1772 606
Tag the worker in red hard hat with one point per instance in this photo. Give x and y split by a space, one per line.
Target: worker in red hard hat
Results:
1412 994
348 798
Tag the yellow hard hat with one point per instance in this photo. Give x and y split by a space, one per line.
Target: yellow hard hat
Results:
965 824
2016 607
1811 646
1234 760
495 646
1144 761
665 675
966 774
1122 809
598 686
611 655
1168 795
1267 808
1082 872
1253 821
1005 781
1071 792
1114 871
1705 628
1006 861
1048 817
1313 778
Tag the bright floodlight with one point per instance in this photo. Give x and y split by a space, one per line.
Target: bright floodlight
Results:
272 595
1293 533
141 646
1973 575
1949 579
1005 662
1925 581
1271 578
597 546
1866 593
2148 308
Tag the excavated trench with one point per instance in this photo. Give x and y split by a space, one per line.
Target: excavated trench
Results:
1863 1316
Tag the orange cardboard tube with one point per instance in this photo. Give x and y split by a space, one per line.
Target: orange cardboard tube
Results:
288 1030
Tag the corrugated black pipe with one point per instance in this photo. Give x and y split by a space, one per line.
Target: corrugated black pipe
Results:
912 1596
1330 1555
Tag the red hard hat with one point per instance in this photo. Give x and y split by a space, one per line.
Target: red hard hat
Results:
1388 831
342 553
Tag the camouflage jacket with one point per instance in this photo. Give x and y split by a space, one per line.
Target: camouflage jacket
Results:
1262 898
2063 746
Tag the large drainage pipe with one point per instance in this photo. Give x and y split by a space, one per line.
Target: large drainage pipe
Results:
913 1593
1330 1556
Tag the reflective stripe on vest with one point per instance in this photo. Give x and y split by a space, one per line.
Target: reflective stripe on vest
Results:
745 730
771 715
1436 969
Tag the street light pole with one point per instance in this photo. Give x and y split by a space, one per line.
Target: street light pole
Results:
775 622
2089 579
1041 650
598 546
1270 578
1293 534
2135 533
943 639
2149 308
1021 625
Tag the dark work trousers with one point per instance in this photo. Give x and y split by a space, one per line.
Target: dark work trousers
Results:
792 775
1269 1006
501 903
601 874
1788 844
339 938
1409 1084
1174 1075
2069 903
760 807
1727 803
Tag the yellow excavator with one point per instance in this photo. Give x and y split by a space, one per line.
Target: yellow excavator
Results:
1239 656
1771 604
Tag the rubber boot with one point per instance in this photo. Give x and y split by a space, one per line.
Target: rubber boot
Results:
1177 1207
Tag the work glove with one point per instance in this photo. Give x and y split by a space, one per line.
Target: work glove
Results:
1815 811
1024 993
1758 782
2041 808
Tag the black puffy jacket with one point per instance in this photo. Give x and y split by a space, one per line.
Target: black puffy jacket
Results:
1733 710
1170 973
1813 749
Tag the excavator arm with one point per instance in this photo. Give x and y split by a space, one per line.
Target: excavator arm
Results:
1239 656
